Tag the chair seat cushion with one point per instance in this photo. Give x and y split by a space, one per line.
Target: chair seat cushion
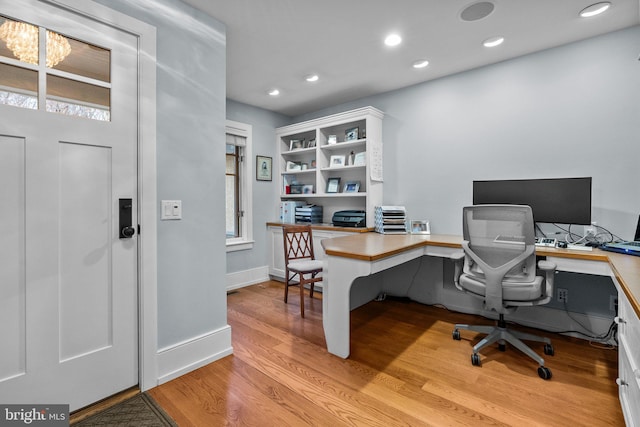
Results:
305 265
529 291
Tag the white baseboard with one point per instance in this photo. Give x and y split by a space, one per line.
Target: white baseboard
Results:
190 355
244 278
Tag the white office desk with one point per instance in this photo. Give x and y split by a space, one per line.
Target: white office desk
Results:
364 254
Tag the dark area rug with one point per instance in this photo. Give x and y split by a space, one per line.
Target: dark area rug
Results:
140 411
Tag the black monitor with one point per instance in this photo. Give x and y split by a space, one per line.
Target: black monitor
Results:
554 200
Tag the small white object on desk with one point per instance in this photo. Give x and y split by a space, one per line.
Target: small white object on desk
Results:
579 247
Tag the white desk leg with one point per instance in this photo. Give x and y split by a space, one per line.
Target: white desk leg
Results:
338 275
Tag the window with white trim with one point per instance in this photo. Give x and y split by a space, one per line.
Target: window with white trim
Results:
239 215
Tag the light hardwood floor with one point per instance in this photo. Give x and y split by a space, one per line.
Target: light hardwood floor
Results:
404 370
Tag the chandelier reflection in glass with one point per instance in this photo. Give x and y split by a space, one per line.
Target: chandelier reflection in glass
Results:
22 39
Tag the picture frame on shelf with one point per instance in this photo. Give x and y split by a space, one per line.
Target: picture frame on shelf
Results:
296 188
336 161
312 143
293 166
420 227
296 144
360 159
351 134
333 185
351 187
264 168
332 139
307 189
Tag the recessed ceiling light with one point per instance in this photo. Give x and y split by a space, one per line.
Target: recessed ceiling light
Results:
274 92
312 78
393 40
493 41
421 63
595 9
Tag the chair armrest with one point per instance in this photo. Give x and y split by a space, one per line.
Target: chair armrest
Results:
549 269
457 258
546 265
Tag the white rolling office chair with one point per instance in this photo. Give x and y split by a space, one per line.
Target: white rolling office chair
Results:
500 267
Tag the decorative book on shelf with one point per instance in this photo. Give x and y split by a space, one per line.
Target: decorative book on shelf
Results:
390 219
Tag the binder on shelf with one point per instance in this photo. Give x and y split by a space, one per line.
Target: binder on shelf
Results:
390 219
288 211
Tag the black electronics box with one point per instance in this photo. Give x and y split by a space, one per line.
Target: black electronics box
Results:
350 218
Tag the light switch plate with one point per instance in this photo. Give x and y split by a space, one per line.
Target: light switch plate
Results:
171 209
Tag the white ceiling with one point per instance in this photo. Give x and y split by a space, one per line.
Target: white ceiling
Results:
276 43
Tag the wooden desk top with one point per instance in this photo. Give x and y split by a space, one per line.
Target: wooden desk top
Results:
375 246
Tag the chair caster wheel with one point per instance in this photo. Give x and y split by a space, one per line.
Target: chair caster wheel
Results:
544 372
475 359
502 347
548 350
456 335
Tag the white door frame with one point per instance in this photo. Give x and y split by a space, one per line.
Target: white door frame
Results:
147 193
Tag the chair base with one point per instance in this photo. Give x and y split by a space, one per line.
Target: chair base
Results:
501 334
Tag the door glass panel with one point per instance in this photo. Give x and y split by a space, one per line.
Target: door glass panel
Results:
18 87
20 40
85 60
74 98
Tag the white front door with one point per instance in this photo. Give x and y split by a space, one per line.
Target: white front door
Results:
68 282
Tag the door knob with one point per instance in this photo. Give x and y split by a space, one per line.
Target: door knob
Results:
127 232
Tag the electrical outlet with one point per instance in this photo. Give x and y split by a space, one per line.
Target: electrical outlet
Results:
562 295
591 230
613 303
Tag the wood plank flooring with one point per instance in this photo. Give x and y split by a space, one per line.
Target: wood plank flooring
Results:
404 370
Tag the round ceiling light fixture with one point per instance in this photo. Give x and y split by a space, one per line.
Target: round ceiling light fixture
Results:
393 40
595 9
312 78
493 41
274 92
420 63
477 11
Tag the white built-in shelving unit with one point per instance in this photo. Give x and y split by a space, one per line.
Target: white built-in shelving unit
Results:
309 162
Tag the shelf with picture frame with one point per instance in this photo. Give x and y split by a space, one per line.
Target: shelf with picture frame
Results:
347 146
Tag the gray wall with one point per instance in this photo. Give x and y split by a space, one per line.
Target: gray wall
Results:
564 112
191 92
265 193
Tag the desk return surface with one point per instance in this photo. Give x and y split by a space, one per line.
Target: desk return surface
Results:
375 246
